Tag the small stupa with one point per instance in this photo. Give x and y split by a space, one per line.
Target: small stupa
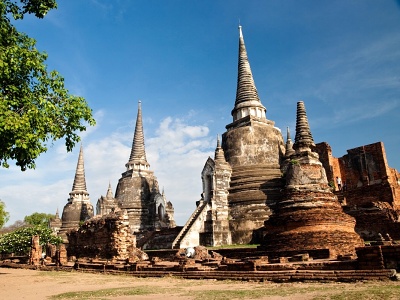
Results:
78 208
309 216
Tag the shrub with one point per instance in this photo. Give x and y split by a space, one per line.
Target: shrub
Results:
19 241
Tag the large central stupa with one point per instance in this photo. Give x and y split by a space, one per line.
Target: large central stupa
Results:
254 148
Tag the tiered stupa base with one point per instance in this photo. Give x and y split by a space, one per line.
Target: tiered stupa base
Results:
309 216
310 221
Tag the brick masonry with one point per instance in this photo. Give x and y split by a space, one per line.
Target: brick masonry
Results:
371 190
104 237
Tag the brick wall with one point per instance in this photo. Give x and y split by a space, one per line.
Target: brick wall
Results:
371 190
102 237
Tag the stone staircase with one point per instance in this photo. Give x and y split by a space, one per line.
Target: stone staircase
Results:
177 242
341 197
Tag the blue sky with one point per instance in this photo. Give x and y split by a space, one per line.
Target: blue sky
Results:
179 57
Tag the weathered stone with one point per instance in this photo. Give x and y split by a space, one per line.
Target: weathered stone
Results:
105 237
138 191
209 224
309 216
35 254
253 149
78 209
370 191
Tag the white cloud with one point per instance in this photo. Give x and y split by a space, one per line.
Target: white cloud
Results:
176 152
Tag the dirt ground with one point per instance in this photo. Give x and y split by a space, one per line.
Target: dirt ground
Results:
18 284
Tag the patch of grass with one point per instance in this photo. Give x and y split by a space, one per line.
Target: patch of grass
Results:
234 246
114 292
236 290
255 293
377 292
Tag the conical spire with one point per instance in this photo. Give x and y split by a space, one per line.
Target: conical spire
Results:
79 185
246 91
219 156
303 140
57 216
109 194
289 143
138 153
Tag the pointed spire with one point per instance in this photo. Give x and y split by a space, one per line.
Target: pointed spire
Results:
288 134
303 140
57 216
289 143
137 158
109 194
219 153
246 88
79 185
246 91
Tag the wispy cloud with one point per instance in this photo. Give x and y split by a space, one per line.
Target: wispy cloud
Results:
351 114
116 8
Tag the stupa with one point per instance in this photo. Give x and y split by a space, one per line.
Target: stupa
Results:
309 216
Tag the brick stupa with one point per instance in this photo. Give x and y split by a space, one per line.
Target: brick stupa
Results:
309 216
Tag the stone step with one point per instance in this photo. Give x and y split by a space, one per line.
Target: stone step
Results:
252 172
259 183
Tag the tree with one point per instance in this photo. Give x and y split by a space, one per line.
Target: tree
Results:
35 107
38 219
19 241
10 228
4 216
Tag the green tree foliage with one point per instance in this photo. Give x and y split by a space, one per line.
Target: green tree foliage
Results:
19 241
4 216
35 107
38 219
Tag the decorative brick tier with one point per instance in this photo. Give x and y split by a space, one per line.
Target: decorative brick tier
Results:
106 237
309 216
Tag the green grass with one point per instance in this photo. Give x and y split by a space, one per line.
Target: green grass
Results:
209 294
234 246
244 293
378 292
319 292
114 292
226 289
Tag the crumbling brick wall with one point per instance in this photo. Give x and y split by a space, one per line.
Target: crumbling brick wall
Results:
329 162
371 189
362 166
102 237
365 165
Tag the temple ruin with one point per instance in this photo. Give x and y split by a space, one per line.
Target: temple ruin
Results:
138 192
370 191
256 189
253 149
309 215
285 197
78 209
209 224
137 195
258 158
